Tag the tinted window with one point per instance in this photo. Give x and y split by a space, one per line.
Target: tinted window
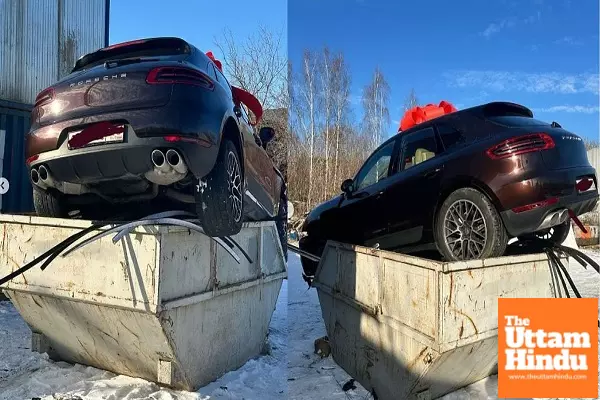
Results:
376 168
418 147
223 81
517 121
132 49
211 70
451 138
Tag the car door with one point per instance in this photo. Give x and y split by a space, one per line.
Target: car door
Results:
266 177
359 215
253 206
414 189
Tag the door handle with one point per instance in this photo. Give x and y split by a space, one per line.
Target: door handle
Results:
431 173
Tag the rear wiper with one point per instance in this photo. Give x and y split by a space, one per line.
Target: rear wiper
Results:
556 124
117 63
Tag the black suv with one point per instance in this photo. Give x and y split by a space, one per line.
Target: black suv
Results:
151 119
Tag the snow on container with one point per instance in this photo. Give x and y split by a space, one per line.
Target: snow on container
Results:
412 328
164 304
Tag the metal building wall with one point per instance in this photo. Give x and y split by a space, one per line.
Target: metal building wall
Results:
14 123
41 40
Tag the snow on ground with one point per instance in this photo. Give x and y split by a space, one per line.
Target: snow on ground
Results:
24 375
291 370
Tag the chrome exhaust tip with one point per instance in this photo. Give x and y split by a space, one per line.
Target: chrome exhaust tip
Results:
43 173
564 216
158 158
175 161
173 157
35 176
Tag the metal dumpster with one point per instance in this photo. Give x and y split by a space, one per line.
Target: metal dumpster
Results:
412 328
165 304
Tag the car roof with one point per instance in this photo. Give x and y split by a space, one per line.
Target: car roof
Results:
482 110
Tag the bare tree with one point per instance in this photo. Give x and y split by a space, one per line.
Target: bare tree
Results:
376 113
305 112
327 91
591 143
341 84
411 100
257 64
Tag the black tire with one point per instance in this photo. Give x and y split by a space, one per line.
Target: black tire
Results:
496 237
214 195
282 221
557 234
48 204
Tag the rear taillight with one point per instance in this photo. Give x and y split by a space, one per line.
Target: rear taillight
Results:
521 145
177 138
584 184
539 204
44 97
32 159
179 75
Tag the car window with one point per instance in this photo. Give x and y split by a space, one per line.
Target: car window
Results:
224 82
451 137
211 70
376 168
418 147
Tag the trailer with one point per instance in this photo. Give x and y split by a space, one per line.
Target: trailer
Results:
161 302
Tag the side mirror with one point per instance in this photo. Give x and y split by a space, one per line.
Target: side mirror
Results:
348 186
266 134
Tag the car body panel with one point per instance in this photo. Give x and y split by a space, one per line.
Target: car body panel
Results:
116 91
403 217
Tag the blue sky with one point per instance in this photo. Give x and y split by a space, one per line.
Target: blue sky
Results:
540 53
196 21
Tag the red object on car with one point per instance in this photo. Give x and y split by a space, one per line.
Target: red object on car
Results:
240 95
418 115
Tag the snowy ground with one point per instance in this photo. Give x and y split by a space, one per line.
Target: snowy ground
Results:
291 370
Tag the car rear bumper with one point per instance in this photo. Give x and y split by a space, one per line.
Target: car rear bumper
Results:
531 221
129 159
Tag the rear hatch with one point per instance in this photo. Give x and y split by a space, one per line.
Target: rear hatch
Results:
568 151
110 79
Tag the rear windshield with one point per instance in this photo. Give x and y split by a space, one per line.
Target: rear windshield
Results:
137 48
516 121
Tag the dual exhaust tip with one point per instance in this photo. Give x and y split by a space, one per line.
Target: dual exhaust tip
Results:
169 160
40 175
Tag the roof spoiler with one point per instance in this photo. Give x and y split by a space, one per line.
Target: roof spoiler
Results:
502 108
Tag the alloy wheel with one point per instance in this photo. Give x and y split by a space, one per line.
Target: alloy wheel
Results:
465 230
234 186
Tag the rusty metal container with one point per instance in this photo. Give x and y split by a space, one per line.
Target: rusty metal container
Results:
164 304
412 328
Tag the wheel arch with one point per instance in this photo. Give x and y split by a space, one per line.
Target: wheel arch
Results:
459 183
230 130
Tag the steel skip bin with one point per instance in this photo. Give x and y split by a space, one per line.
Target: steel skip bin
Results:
165 303
407 327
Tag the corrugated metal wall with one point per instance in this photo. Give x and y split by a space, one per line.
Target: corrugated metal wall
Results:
41 40
14 123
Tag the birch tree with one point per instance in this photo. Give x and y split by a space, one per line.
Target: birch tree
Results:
375 101
257 64
411 100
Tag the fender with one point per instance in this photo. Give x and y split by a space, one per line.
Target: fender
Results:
230 114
